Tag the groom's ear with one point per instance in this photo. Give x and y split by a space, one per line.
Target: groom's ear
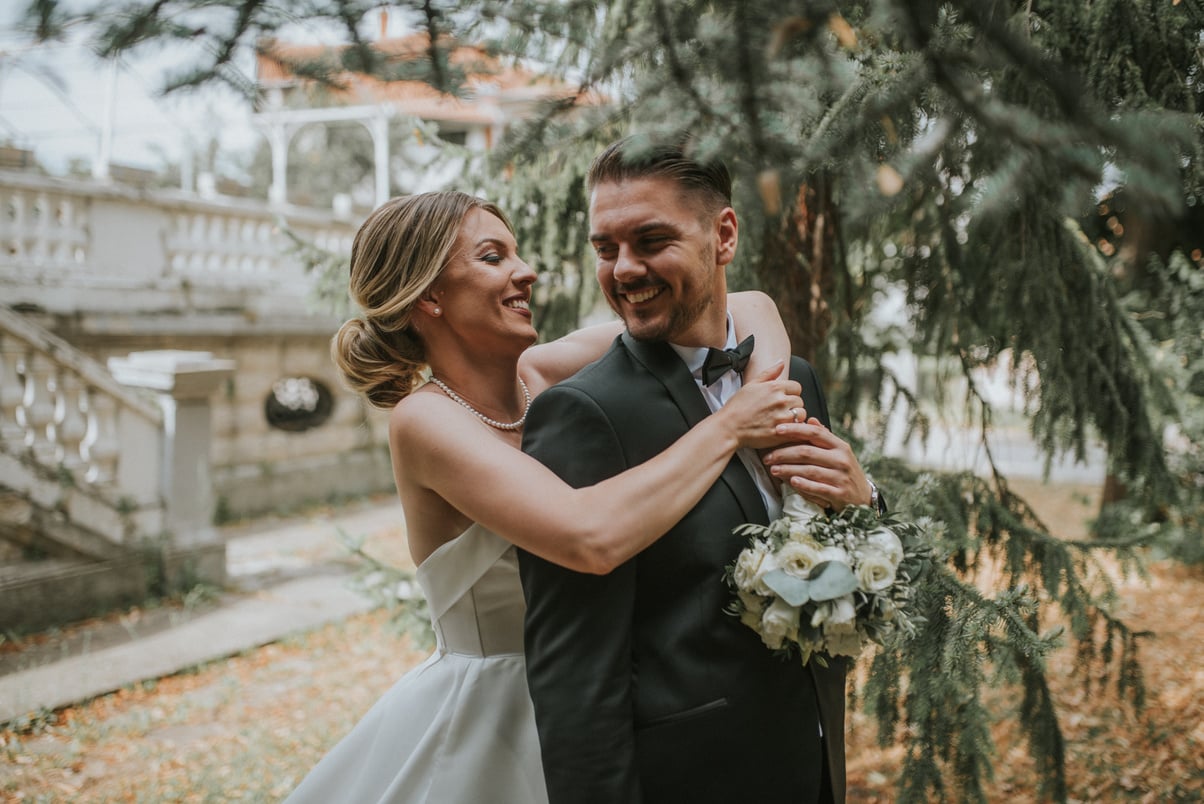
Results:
727 235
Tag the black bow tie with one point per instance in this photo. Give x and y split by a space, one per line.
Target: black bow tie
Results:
721 361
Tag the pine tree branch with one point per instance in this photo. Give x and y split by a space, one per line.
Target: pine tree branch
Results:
748 82
677 71
432 17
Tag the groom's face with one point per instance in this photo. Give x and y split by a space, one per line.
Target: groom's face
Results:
661 260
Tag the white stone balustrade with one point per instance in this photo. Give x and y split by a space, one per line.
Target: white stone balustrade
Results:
43 227
65 410
68 245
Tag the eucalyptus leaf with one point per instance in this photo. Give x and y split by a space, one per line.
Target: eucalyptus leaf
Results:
794 591
831 580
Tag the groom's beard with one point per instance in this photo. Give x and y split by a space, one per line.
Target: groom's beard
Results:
686 311
680 318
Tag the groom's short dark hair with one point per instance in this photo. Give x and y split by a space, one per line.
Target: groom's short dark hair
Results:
639 157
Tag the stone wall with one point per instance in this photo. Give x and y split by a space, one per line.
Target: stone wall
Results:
259 469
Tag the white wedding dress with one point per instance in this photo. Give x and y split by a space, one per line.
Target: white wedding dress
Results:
459 728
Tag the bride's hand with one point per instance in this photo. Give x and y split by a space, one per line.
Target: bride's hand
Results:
753 412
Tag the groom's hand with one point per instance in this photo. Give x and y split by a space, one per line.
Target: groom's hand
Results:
819 465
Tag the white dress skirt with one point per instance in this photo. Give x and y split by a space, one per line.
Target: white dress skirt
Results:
459 728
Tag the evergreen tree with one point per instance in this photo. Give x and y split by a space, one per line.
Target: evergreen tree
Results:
961 156
952 153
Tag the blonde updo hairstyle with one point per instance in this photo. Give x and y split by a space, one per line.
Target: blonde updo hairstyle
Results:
397 254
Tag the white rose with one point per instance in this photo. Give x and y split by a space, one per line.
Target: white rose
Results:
779 622
833 553
797 508
838 611
886 541
751 565
842 639
875 570
798 558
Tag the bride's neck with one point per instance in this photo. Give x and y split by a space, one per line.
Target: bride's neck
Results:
490 384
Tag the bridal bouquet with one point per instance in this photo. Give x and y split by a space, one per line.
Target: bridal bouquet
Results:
828 584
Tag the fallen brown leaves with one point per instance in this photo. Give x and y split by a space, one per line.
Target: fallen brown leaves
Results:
242 729
1113 754
248 728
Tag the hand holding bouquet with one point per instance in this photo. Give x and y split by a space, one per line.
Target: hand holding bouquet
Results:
827 584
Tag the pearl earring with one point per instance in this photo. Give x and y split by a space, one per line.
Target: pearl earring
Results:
438 311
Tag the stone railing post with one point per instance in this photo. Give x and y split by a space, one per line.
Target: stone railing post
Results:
184 383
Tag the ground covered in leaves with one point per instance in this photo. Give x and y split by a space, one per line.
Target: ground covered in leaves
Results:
248 728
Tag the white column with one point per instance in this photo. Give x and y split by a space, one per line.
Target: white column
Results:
12 390
38 407
184 382
380 142
70 426
104 148
278 137
187 167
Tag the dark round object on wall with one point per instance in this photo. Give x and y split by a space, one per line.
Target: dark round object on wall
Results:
297 404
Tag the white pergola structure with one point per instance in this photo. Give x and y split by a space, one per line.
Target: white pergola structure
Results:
279 125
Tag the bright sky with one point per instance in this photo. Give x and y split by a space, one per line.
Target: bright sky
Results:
53 101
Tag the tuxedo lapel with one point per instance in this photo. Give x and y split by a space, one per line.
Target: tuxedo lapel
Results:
664 364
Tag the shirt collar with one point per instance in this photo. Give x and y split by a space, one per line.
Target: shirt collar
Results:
695 356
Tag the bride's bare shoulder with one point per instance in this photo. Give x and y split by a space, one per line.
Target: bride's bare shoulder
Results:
418 412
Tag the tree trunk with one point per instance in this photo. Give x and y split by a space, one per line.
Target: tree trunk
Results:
799 265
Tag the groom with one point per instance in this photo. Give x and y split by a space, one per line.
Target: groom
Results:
644 689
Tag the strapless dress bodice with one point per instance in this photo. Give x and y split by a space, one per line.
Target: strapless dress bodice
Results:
476 601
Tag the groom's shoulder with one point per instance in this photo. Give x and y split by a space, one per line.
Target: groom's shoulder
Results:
601 373
799 365
604 382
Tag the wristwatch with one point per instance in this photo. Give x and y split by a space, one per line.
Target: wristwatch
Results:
875 499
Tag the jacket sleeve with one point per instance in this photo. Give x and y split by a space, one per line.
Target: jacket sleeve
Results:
579 627
803 373
813 395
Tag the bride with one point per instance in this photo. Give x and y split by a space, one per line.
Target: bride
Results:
442 288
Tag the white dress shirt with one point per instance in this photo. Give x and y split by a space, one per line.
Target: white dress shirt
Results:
716 395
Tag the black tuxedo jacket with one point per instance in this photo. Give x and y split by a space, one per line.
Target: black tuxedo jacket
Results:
644 689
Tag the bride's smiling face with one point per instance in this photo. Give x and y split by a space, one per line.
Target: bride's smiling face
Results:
486 287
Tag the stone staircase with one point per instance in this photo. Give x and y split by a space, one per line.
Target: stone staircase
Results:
103 486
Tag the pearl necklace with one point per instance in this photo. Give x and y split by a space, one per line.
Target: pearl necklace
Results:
491 422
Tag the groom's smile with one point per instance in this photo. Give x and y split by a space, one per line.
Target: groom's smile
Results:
638 296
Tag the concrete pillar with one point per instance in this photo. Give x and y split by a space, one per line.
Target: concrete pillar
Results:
104 145
278 137
380 142
184 383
